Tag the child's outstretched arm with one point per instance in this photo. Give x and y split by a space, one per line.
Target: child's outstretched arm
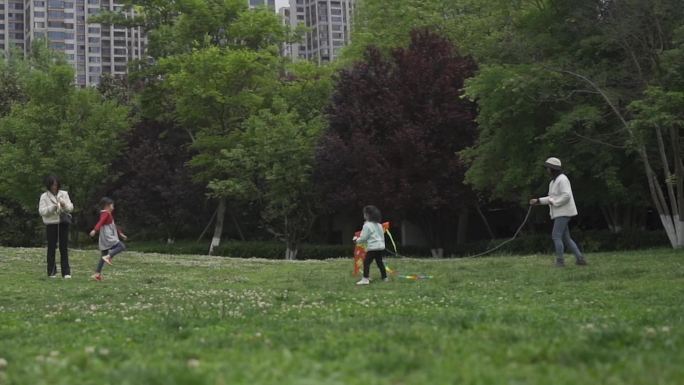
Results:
365 234
103 220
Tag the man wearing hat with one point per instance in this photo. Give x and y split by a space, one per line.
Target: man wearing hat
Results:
562 208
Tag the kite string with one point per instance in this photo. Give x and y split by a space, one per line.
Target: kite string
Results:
502 244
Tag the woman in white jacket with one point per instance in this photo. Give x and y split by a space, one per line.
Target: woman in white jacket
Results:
562 208
55 207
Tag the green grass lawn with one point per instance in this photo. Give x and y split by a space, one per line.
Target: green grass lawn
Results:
187 320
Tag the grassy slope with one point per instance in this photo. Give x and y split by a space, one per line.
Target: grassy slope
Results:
198 320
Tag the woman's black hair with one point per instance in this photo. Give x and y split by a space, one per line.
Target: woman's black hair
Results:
104 202
372 213
50 180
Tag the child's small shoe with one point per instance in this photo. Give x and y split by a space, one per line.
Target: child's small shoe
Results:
97 277
364 281
385 279
108 260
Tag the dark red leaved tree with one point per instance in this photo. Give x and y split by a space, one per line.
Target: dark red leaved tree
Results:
154 190
396 124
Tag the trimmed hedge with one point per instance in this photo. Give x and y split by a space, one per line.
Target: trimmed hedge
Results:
236 249
589 241
19 228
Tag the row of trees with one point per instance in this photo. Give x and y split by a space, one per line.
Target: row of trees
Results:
450 107
598 83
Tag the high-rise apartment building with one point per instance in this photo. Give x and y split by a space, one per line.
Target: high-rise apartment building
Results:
258 3
287 48
92 49
329 28
12 24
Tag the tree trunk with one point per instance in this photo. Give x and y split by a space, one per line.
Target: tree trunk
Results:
237 226
486 222
211 220
462 230
291 251
218 228
620 218
609 216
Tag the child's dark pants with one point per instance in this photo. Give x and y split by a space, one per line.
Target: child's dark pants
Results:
377 256
117 249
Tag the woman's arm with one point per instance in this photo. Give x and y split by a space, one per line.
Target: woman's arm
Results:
66 203
46 206
564 196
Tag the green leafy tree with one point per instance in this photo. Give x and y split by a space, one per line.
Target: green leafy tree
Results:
215 66
215 90
478 27
10 88
59 129
270 159
583 65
